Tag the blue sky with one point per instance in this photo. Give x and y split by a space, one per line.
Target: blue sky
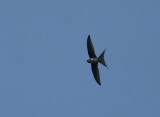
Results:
43 53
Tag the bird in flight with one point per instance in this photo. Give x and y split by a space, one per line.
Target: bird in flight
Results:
94 60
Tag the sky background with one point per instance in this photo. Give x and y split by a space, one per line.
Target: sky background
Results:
43 53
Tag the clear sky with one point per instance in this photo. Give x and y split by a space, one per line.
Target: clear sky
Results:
43 53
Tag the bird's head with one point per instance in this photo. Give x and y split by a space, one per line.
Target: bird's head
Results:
89 60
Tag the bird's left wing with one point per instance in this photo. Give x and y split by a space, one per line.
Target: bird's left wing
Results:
95 71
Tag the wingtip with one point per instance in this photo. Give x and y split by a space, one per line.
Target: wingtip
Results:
99 84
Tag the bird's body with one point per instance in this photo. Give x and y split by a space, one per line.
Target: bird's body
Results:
94 60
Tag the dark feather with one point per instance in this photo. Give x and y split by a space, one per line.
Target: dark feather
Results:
90 47
95 71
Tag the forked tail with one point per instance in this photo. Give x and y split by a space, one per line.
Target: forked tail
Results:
101 59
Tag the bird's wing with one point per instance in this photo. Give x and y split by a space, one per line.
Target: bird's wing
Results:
90 47
95 71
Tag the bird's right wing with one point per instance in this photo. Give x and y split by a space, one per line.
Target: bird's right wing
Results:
90 48
95 71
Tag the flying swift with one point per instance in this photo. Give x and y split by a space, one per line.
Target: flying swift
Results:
94 60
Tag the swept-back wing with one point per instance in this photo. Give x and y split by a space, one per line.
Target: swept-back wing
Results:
90 47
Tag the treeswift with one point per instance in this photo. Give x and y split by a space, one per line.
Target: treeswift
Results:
94 60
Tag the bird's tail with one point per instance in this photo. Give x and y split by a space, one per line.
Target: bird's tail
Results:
101 59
